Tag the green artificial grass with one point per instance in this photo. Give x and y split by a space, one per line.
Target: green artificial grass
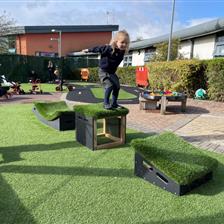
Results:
46 87
97 111
47 177
175 157
123 95
52 110
82 83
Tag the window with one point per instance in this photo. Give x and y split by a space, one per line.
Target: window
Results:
149 53
46 54
219 50
127 60
219 46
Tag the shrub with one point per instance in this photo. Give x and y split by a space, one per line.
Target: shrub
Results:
215 74
180 75
125 74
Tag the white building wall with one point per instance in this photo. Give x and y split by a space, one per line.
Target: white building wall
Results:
204 47
138 58
121 64
185 49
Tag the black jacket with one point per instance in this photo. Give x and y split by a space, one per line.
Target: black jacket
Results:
109 60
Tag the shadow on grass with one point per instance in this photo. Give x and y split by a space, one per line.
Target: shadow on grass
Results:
214 186
12 153
216 218
11 208
131 136
73 171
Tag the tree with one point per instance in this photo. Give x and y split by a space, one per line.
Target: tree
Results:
162 51
6 24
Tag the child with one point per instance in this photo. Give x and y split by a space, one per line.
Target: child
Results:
59 79
111 57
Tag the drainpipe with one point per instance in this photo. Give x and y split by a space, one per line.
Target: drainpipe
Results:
192 49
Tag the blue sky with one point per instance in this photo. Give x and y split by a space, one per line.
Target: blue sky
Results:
140 18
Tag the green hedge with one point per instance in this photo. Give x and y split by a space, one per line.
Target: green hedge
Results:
180 75
188 76
215 75
125 74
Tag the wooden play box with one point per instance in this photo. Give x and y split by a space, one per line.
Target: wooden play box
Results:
171 163
97 128
55 114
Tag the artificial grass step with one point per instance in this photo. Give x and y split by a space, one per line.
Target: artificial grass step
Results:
97 111
52 110
176 158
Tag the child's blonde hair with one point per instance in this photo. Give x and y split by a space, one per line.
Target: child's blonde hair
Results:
114 40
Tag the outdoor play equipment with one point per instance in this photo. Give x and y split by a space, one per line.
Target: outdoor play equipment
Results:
4 82
153 100
14 86
55 114
35 86
98 128
201 94
142 76
171 163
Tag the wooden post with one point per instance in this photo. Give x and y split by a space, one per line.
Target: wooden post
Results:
184 105
163 105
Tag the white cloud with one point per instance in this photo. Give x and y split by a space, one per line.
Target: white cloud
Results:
194 22
144 19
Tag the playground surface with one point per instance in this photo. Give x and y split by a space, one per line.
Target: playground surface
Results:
85 94
202 124
47 177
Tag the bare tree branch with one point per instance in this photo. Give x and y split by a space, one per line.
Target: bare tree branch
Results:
6 24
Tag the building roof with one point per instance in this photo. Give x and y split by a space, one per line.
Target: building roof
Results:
200 30
63 29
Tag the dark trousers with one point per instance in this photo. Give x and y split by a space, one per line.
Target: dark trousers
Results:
113 88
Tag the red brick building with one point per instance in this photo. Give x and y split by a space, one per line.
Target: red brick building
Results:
54 40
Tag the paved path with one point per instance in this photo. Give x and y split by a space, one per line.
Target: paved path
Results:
202 124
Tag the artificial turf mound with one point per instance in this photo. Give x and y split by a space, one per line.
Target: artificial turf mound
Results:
176 158
52 110
97 111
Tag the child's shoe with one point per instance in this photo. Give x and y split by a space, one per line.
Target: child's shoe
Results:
107 106
116 106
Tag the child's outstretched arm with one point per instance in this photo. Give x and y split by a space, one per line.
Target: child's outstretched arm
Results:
85 50
99 49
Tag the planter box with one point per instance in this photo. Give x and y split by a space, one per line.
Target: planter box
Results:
66 121
151 174
112 132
